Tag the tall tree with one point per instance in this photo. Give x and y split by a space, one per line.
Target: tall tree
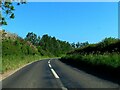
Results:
77 45
84 44
38 41
32 37
73 45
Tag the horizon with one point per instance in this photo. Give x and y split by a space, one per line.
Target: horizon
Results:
67 21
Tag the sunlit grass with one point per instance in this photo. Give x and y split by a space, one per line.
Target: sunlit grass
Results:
14 62
107 59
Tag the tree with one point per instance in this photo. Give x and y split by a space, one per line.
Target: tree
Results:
38 41
54 46
44 42
32 37
108 41
84 44
73 45
7 10
77 45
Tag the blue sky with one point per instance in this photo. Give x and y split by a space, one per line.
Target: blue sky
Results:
69 21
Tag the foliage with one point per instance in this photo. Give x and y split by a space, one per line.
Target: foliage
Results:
12 62
106 66
108 45
79 45
32 37
48 45
32 44
102 57
17 51
7 10
18 47
108 59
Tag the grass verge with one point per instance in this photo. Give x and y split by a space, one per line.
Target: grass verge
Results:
112 60
106 66
14 62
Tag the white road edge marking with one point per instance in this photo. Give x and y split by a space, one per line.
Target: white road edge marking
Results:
54 73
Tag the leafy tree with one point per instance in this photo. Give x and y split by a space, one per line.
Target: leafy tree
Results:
45 42
32 37
73 45
7 8
108 45
84 44
33 44
78 45
108 41
54 46
38 40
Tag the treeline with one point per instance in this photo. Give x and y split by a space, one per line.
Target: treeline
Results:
79 44
48 45
108 45
33 44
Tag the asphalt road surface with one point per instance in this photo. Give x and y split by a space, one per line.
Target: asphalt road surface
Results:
52 73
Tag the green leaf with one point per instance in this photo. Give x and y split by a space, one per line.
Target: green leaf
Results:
7 11
3 18
12 16
4 23
12 8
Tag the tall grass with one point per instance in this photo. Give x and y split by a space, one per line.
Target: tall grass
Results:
112 60
106 66
107 59
14 62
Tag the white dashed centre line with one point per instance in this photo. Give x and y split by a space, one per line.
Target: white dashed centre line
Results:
49 62
50 66
54 73
56 76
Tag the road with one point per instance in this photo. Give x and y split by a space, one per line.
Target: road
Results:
52 73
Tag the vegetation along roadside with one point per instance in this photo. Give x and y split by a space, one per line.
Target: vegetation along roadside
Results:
101 59
17 51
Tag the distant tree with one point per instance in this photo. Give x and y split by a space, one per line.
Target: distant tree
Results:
45 42
84 44
38 41
54 46
77 45
32 37
108 41
73 45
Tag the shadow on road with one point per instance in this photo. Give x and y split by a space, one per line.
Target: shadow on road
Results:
101 71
